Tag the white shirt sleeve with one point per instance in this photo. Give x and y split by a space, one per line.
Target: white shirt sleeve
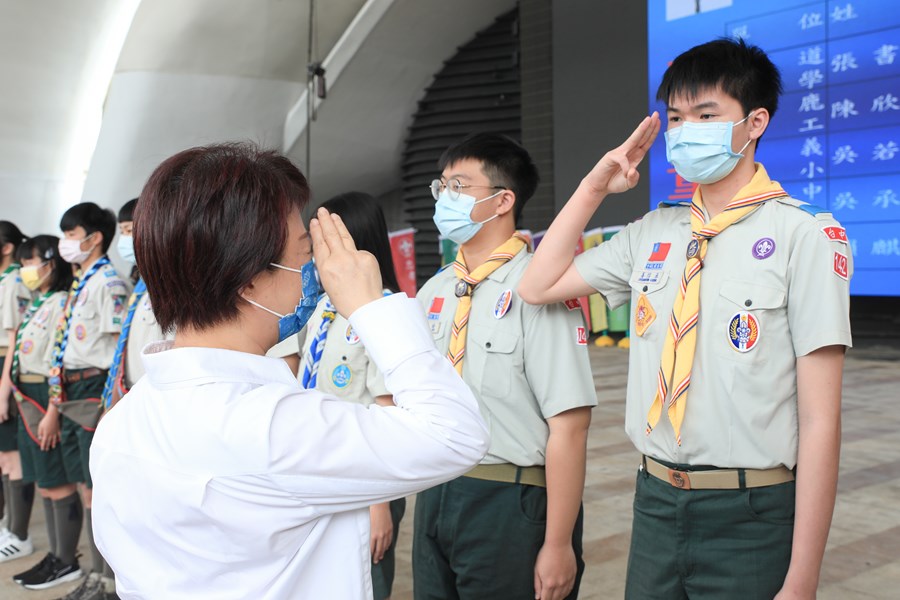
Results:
339 455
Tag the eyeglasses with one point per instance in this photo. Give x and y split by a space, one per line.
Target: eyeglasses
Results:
455 187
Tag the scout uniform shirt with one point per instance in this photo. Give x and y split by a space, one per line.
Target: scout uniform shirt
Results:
774 286
99 311
36 348
524 363
144 329
345 369
14 300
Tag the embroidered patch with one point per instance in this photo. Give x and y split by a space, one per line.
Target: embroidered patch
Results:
23 305
840 266
118 304
693 248
743 332
644 315
42 316
763 248
573 304
27 347
435 327
501 307
650 277
836 234
109 273
341 376
80 332
581 336
658 256
350 336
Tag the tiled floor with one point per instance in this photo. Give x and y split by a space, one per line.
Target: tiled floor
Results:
863 556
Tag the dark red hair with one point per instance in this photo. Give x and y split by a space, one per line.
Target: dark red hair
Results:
208 221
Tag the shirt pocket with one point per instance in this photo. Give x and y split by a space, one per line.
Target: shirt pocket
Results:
749 319
653 286
500 360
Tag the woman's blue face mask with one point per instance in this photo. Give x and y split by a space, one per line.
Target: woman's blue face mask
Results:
292 323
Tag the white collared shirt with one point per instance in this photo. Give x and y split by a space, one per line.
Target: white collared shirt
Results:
218 477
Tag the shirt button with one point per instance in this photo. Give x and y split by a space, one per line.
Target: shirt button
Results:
487 345
645 288
748 302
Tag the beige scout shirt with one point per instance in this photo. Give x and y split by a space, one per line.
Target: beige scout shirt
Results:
36 348
345 369
97 320
524 363
14 299
144 329
776 267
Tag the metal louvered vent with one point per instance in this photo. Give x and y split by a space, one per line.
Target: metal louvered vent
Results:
476 90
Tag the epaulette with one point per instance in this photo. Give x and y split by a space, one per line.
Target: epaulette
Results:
674 203
816 211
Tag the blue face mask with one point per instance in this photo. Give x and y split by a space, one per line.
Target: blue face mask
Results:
454 217
701 152
125 246
293 323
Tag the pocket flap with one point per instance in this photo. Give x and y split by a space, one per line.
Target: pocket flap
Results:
494 340
752 297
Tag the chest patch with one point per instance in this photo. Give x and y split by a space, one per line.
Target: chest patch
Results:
743 332
341 376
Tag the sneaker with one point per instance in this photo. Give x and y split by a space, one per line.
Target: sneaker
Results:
91 588
56 572
38 568
11 548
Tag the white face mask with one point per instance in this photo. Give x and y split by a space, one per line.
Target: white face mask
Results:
71 250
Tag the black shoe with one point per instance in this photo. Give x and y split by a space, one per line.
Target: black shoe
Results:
56 572
38 568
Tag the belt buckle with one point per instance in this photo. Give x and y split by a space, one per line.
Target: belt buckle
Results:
680 479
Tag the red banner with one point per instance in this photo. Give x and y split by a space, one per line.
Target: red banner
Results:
403 251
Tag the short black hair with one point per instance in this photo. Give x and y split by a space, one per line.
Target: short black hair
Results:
126 213
742 71
91 218
10 234
46 248
503 160
365 221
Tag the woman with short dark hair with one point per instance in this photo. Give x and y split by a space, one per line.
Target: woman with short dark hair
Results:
217 475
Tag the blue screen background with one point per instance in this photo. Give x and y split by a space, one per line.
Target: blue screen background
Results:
835 140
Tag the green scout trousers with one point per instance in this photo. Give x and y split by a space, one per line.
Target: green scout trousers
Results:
709 544
475 539
74 436
44 467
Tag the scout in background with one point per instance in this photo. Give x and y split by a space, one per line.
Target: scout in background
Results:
18 494
139 327
50 278
85 341
741 321
334 361
511 527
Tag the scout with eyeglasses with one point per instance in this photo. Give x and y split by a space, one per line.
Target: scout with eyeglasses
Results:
511 527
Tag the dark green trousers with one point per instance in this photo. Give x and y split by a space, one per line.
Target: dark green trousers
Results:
44 467
475 539
709 544
383 572
9 429
76 440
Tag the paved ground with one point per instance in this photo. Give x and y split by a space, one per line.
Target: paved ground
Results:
863 556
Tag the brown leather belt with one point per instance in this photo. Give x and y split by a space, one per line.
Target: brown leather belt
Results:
718 479
508 473
29 378
77 375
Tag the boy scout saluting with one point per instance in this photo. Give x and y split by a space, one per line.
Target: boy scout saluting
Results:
85 343
741 305
512 527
